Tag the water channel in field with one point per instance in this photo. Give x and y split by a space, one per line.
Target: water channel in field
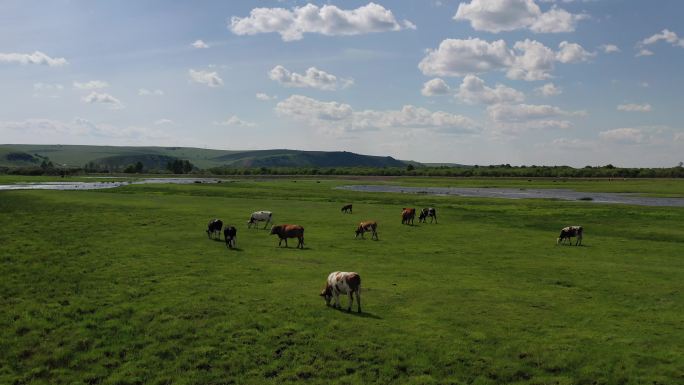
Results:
516 193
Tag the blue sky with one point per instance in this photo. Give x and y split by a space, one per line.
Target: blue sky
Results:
473 81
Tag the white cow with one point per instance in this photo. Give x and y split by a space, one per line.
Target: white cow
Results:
259 216
342 282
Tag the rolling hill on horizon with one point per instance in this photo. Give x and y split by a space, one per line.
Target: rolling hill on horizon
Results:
22 155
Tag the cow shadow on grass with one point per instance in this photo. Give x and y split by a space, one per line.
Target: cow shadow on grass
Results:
363 314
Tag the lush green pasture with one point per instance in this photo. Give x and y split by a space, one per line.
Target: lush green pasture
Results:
123 287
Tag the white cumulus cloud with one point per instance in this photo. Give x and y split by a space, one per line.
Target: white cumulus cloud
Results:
235 121
508 15
434 87
341 117
328 20
312 78
631 107
516 118
665 35
81 130
200 44
572 53
528 59
624 135
549 89
103 98
265 97
146 92
36 57
609 48
474 91
208 78
91 85
459 57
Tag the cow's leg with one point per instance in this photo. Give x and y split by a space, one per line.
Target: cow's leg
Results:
351 301
337 300
358 300
300 244
286 242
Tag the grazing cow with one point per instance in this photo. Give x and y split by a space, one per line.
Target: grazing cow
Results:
364 226
427 212
214 227
229 234
408 215
259 216
347 209
569 232
340 282
289 231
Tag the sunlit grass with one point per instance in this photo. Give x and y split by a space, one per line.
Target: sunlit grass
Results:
123 287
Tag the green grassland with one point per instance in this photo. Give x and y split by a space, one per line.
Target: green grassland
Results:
123 287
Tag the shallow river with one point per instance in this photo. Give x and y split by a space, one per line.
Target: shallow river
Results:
101 185
512 193
508 193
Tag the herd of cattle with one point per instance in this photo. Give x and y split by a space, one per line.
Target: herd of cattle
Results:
339 282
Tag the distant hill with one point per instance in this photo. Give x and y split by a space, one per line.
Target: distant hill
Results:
292 158
12 155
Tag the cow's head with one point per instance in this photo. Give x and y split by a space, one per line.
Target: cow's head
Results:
275 229
326 294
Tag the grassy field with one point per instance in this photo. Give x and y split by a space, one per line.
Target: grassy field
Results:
123 287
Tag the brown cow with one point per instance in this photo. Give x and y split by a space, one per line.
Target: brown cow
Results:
364 226
289 231
347 209
407 215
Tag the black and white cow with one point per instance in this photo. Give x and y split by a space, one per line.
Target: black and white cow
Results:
427 212
214 228
260 216
230 235
570 232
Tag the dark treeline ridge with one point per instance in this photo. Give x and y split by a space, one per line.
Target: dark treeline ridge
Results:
607 171
185 167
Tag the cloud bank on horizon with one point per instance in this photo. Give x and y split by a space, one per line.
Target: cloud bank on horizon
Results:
469 81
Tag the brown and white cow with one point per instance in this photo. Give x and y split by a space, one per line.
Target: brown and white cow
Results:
407 215
347 209
340 282
364 226
570 232
289 231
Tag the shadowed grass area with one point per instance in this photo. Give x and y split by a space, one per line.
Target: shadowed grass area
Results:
123 287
